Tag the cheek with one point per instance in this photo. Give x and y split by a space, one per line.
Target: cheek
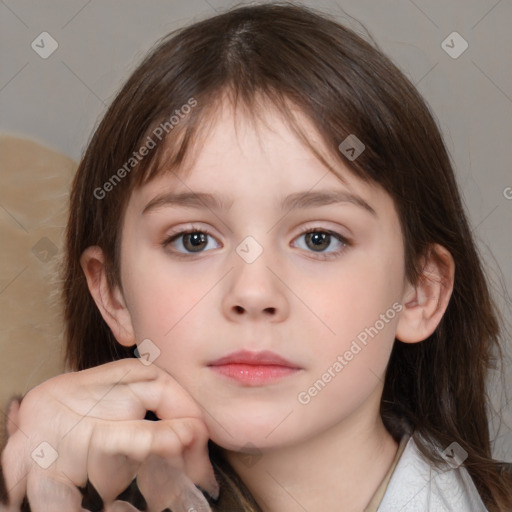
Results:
353 297
160 300
350 366
359 308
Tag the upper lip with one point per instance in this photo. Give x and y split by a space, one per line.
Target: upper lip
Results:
264 357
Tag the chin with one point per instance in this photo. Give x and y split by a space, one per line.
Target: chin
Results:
250 433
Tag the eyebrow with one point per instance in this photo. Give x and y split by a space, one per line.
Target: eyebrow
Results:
307 199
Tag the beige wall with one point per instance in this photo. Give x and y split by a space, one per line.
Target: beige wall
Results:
33 201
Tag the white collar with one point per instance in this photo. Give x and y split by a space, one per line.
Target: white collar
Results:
417 486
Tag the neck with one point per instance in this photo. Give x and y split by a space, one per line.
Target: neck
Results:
338 469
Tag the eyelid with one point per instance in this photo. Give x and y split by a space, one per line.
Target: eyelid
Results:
338 230
319 225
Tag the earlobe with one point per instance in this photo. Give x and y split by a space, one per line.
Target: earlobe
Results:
110 302
425 303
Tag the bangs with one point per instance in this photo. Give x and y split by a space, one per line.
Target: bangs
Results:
177 150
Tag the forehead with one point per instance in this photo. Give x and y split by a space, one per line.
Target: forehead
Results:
238 153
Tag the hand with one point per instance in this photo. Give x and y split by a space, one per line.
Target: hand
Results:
92 423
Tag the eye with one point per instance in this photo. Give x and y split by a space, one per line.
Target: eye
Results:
318 240
189 241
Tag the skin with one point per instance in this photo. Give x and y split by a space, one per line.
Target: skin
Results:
199 306
91 424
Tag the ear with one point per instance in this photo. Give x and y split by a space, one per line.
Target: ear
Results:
425 303
111 303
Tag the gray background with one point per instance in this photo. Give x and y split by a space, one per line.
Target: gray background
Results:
59 100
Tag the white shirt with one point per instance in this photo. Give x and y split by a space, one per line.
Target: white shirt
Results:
417 486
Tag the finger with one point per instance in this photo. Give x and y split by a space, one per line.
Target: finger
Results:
15 495
193 435
117 449
165 486
120 506
155 389
49 494
15 470
166 397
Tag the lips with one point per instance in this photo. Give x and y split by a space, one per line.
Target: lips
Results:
254 368
253 358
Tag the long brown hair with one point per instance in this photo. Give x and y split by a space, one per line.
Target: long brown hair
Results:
289 54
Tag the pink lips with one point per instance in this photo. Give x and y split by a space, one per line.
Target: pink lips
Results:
253 368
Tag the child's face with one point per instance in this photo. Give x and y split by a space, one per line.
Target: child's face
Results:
200 306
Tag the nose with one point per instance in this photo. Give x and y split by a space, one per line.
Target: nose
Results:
256 292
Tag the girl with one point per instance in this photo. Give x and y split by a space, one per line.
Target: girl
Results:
267 219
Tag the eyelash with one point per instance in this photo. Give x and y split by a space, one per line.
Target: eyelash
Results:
323 255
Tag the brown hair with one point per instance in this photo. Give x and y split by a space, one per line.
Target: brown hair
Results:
292 55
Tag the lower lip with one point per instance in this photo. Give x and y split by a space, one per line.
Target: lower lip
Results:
253 374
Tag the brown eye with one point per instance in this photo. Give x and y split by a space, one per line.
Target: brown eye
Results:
194 242
188 242
319 241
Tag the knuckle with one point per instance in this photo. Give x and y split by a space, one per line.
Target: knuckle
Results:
131 441
190 431
166 442
201 433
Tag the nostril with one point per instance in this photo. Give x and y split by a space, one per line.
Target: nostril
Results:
239 309
270 310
